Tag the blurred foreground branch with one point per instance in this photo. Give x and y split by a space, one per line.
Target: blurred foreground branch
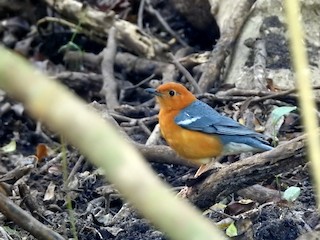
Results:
100 142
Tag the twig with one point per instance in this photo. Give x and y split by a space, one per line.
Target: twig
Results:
4 234
164 24
259 66
214 97
213 67
140 13
31 203
50 163
154 136
109 88
243 92
141 83
28 199
42 133
121 215
74 169
26 221
144 127
5 108
169 74
14 175
186 73
120 117
236 94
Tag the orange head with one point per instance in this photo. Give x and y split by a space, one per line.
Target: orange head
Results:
172 96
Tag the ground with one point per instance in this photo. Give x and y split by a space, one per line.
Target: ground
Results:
99 210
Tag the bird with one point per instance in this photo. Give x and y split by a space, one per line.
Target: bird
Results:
197 132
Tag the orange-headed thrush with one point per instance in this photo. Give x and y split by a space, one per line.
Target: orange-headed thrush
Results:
197 132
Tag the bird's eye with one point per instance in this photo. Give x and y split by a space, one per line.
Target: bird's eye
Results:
172 93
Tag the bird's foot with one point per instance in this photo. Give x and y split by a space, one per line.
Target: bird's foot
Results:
184 192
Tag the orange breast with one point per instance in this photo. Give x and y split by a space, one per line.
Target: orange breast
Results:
189 144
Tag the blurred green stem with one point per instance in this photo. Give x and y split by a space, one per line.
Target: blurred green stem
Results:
68 198
303 82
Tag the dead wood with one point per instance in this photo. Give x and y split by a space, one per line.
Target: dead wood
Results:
109 87
31 203
90 60
15 174
129 63
26 221
161 154
6 188
80 80
229 33
99 23
260 193
259 66
247 172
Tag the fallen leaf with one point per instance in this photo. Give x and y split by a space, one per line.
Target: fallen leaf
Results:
232 231
49 195
280 112
41 151
10 147
241 206
291 193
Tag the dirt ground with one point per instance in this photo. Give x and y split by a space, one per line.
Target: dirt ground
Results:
98 209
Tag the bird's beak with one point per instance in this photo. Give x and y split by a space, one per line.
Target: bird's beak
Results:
153 91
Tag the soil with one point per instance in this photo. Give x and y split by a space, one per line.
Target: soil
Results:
99 210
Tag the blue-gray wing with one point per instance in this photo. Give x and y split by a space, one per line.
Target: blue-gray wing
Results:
201 117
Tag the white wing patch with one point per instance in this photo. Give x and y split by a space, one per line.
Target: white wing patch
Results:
188 121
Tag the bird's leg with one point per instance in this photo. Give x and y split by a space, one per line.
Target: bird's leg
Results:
213 163
187 190
203 168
